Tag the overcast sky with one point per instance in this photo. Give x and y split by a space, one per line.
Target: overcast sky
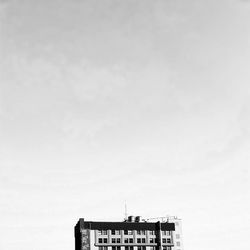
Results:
106 101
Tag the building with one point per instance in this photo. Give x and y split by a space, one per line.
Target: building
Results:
131 234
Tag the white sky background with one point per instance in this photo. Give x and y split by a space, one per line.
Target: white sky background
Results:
107 101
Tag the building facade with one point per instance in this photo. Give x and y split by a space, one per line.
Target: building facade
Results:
131 234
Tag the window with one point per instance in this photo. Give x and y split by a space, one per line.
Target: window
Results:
105 240
102 232
139 241
141 232
168 240
151 232
131 240
125 240
100 240
166 233
151 240
166 248
116 240
143 247
102 248
178 243
126 232
164 240
143 240
130 232
116 248
139 248
113 232
129 248
177 236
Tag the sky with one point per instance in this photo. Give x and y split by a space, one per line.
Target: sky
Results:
103 102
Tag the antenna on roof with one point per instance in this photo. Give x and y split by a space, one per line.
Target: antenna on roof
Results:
126 211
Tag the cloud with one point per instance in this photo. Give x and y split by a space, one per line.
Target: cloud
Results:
38 77
90 83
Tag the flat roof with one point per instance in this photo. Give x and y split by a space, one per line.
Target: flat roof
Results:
101 225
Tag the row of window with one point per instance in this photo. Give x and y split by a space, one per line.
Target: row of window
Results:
126 248
131 240
132 248
166 233
166 241
130 232
126 232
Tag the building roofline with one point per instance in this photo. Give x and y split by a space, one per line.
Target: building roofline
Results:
104 225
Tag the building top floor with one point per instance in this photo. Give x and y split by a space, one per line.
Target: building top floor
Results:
125 225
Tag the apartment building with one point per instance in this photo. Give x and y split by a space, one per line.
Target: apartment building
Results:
131 234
